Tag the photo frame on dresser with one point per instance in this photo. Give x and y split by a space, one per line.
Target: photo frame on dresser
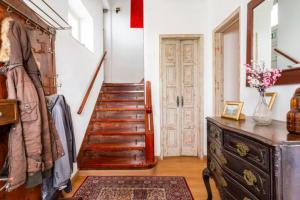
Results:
233 109
270 99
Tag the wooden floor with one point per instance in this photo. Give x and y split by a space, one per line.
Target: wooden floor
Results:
190 168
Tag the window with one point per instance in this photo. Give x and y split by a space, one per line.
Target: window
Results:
74 21
274 15
82 24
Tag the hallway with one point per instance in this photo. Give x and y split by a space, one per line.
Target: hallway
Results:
189 167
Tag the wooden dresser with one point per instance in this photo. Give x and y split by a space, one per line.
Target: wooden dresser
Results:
249 162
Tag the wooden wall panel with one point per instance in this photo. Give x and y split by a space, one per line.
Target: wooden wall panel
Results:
42 46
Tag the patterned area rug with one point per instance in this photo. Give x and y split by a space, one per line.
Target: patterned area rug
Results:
134 188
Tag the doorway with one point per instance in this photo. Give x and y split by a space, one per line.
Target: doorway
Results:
226 62
181 79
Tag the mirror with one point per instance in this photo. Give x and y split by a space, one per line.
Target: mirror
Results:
273 32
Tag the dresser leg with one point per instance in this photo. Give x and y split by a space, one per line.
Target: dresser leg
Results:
206 176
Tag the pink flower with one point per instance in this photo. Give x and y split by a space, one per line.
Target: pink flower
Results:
261 77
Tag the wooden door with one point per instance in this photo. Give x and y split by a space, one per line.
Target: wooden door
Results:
179 101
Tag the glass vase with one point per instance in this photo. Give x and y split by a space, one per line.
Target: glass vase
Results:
262 114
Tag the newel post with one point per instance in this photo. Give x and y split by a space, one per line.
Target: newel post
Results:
149 126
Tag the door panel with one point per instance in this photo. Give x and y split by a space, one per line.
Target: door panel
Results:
179 103
171 113
189 103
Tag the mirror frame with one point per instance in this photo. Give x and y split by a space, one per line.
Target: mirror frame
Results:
289 76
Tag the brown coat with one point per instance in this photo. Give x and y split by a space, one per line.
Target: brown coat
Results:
23 75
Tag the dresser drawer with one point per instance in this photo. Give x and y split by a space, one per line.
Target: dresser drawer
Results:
250 150
234 191
214 132
252 178
8 112
215 150
230 189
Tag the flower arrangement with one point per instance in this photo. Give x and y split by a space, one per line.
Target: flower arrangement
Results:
261 77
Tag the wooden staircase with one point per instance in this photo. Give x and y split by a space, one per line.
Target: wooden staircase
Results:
120 133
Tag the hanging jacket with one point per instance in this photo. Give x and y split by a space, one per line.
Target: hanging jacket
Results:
33 127
63 167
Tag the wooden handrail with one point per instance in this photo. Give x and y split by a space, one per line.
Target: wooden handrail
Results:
149 125
87 94
286 56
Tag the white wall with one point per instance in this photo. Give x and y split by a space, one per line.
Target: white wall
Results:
75 65
108 43
170 17
232 63
219 11
127 46
288 30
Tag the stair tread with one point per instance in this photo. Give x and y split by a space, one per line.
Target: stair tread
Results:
123 92
121 133
122 84
118 109
96 133
122 100
117 120
115 146
100 163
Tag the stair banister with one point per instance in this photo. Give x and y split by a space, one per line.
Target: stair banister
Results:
149 125
87 94
286 56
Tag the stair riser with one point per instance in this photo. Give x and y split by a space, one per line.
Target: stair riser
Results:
114 130
123 88
114 139
119 125
120 115
130 96
120 105
134 155
114 147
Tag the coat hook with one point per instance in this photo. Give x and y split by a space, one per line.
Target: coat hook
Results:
9 10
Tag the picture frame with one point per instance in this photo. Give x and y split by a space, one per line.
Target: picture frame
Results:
270 98
233 109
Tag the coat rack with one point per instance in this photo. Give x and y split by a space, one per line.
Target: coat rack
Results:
52 24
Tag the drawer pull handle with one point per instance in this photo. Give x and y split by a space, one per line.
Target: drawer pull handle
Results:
212 166
249 177
214 132
246 198
223 159
1 114
242 149
223 182
212 148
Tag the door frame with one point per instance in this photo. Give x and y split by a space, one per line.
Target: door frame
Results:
218 60
199 87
